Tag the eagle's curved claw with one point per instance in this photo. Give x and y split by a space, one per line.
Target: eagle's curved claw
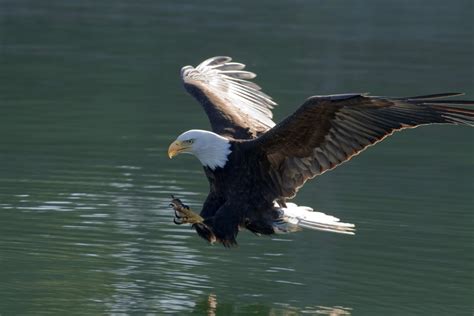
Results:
184 214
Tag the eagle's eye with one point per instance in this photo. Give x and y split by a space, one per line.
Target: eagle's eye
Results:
188 141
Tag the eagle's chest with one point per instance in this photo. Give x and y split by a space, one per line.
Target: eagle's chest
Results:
239 175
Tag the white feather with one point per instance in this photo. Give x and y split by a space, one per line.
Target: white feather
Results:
228 80
295 217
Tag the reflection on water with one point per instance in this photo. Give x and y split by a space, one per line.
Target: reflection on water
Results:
90 99
209 306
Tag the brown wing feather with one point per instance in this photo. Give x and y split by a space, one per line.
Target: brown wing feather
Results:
236 107
327 131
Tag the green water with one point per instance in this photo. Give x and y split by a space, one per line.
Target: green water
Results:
90 99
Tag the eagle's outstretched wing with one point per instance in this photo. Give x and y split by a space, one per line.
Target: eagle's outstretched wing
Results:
328 130
235 106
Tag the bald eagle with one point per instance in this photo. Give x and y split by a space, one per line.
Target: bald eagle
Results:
255 166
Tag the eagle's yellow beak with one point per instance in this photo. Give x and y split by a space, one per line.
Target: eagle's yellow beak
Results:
177 148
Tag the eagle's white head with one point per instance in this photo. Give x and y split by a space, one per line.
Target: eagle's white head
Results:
211 149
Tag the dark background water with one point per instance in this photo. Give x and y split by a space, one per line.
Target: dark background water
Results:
90 99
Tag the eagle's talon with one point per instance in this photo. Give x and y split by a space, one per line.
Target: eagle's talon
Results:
183 213
176 201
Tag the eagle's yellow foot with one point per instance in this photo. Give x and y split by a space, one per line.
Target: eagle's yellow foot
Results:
183 214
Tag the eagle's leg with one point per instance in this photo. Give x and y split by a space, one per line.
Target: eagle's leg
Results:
225 227
183 214
205 231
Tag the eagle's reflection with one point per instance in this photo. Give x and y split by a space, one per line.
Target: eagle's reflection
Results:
209 306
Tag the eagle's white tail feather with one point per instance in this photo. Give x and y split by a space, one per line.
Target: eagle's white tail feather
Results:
295 217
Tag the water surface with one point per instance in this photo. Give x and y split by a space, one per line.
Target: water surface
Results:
90 99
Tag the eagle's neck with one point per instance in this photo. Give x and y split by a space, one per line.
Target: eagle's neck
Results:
213 151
